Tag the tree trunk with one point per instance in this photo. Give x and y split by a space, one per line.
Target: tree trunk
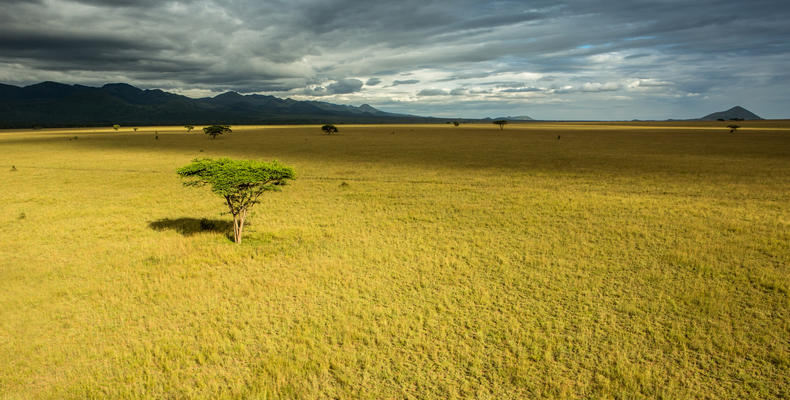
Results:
238 225
236 233
241 224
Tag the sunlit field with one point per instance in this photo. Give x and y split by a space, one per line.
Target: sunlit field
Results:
554 260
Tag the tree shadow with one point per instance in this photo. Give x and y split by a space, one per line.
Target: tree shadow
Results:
190 226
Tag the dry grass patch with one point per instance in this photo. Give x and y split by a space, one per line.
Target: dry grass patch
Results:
627 261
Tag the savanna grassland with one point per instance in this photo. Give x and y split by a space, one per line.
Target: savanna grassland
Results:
630 260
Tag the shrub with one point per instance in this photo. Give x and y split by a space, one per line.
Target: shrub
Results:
216 130
329 129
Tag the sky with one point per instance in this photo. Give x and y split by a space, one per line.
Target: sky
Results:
566 60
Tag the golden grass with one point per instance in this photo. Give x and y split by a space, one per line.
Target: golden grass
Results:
620 261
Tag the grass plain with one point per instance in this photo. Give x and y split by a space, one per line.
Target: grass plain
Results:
546 260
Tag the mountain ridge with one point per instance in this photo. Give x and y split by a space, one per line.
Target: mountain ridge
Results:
54 104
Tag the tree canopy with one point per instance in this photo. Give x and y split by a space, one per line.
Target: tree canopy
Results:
501 123
215 130
329 129
239 182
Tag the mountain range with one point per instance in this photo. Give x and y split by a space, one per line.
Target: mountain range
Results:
52 104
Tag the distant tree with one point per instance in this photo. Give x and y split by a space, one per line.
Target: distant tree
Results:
116 127
134 129
215 130
719 119
329 129
733 128
501 123
239 182
456 123
189 128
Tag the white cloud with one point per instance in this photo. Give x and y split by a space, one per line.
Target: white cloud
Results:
600 87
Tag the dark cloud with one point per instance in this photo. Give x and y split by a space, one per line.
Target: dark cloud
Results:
657 54
507 84
121 3
405 82
462 76
521 90
345 86
432 92
69 46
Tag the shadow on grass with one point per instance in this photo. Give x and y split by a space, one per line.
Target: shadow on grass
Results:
583 150
191 226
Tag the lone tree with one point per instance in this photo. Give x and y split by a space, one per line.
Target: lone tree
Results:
116 127
456 123
733 128
501 123
240 182
214 130
329 129
189 128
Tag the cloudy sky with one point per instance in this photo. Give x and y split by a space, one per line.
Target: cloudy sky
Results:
606 59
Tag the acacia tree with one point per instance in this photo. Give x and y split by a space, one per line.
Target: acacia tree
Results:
116 127
215 130
733 128
239 182
189 128
501 123
329 129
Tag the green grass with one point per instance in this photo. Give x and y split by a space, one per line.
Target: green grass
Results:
621 261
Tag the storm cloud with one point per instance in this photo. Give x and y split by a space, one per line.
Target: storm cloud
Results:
432 92
405 82
344 86
546 59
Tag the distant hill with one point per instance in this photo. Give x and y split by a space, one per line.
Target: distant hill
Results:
736 112
518 118
52 104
